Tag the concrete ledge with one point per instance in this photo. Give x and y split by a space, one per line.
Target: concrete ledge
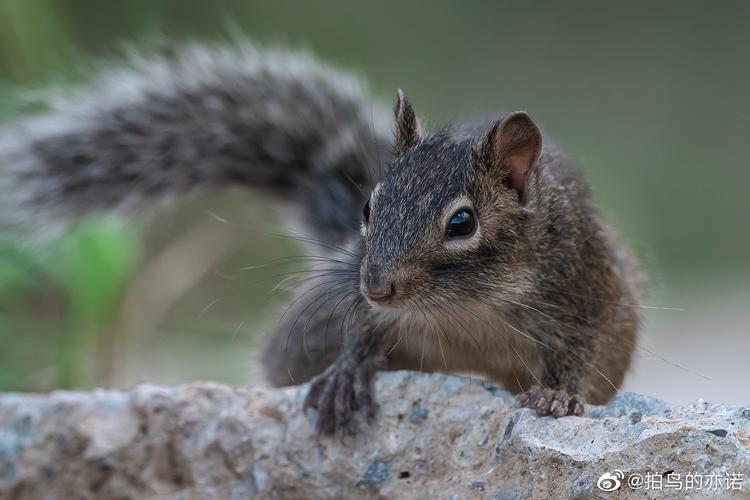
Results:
436 436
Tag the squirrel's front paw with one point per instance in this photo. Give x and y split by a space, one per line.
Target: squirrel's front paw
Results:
551 402
345 387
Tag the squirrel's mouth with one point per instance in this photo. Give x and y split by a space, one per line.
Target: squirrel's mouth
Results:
382 302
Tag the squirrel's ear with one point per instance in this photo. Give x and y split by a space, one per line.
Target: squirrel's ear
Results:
408 128
513 147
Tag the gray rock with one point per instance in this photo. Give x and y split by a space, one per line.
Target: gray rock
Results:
435 436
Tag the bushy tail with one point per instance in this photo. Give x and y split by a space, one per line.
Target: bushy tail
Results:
200 117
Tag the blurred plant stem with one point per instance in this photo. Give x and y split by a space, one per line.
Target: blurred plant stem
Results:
161 282
92 266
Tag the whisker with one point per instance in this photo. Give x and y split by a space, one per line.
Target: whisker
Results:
304 239
525 335
336 285
625 348
350 310
527 367
459 323
443 310
352 292
237 330
300 296
209 306
559 290
298 260
343 293
420 303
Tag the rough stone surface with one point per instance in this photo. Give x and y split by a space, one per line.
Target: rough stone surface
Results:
436 436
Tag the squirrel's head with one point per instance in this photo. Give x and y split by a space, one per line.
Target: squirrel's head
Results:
448 220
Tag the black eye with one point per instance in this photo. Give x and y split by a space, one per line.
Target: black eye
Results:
366 211
460 224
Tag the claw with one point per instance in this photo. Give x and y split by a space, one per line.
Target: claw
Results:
340 391
541 405
576 406
556 409
551 402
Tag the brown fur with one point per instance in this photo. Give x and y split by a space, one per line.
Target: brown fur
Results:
542 299
540 296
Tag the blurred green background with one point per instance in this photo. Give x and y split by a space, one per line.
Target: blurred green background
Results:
651 98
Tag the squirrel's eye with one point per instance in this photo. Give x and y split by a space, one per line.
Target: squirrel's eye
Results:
367 211
460 224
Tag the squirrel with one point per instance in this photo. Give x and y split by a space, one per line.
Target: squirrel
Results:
471 248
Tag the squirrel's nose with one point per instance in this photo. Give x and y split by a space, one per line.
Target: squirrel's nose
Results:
376 287
380 291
